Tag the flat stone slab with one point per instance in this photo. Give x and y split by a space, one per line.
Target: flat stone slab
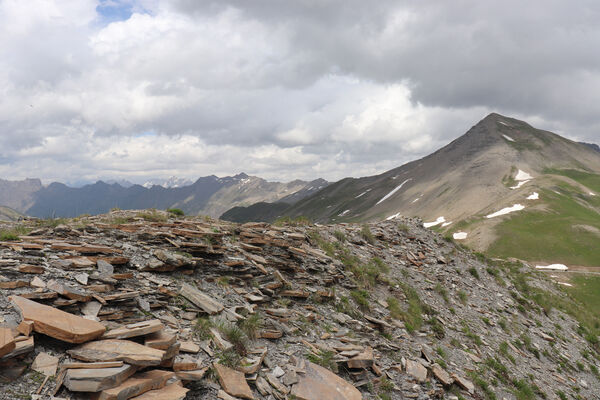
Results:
138 384
45 364
68 291
362 360
170 392
200 299
21 347
118 350
319 383
95 380
416 370
7 341
160 340
195 375
234 382
57 323
132 330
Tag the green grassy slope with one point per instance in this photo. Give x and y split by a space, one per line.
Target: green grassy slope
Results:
556 234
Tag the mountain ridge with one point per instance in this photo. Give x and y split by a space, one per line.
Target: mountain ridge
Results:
208 195
479 174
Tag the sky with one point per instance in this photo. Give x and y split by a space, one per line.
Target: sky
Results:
138 89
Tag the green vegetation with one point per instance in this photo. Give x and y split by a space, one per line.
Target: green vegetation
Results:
324 359
567 232
361 297
152 216
251 325
590 180
176 211
289 221
462 296
442 291
202 328
340 236
412 316
586 289
473 271
366 234
13 233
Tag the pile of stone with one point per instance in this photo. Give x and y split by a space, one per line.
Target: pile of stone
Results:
119 307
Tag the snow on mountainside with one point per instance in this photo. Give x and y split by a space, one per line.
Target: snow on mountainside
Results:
171 182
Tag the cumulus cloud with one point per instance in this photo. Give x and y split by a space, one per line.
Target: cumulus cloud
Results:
150 88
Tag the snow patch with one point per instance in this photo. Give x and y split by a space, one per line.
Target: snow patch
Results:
533 196
523 176
434 223
565 284
503 123
392 217
519 184
446 224
363 193
508 138
506 210
387 196
417 199
343 213
459 235
592 194
553 267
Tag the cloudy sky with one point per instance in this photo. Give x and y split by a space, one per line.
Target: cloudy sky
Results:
134 89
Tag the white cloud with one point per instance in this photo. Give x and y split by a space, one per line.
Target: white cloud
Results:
281 90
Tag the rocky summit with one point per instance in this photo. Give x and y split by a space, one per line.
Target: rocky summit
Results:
147 305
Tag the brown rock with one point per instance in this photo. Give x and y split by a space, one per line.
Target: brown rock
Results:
194 375
416 370
132 330
13 284
173 391
25 327
160 340
95 380
138 384
97 365
21 347
233 382
68 291
318 383
464 383
189 347
56 323
45 364
204 302
118 350
277 385
7 341
362 360
441 375
31 269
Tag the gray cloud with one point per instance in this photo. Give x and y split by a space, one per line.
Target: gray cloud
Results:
281 89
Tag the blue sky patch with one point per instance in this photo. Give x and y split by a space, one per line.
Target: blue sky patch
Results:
114 10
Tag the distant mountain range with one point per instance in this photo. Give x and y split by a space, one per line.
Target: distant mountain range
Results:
503 187
172 182
207 196
591 145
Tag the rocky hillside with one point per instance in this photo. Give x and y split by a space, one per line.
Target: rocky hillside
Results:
209 195
142 305
8 214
